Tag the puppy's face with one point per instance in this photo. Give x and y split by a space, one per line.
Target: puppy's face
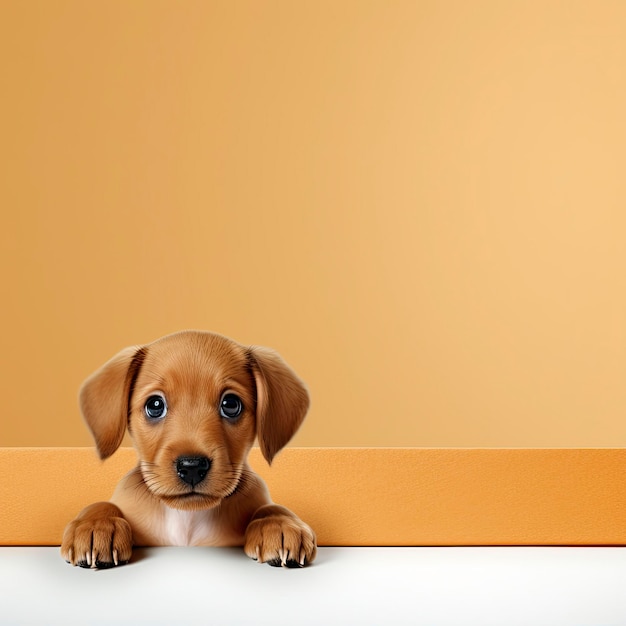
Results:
193 403
193 418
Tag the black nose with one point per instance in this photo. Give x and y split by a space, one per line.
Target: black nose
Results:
192 469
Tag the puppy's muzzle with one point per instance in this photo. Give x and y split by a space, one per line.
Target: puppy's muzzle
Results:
192 469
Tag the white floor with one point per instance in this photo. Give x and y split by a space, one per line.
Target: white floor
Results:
381 586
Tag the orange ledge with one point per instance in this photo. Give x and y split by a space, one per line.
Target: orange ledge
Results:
365 496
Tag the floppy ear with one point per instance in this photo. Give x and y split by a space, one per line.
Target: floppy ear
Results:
282 400
104 399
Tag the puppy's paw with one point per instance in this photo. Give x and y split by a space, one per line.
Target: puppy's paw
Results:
97 543
280 540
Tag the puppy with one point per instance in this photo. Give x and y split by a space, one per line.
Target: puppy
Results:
193 403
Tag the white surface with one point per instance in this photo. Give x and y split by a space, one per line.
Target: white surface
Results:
382 586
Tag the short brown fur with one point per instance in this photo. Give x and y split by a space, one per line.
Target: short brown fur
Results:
152 505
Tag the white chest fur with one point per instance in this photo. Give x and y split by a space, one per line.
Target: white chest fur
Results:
188 528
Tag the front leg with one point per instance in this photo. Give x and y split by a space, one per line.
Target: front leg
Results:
99 537
278 537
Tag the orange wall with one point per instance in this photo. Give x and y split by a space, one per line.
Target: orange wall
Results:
419 204
424 496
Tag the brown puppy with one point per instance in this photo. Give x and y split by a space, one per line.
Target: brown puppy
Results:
193 403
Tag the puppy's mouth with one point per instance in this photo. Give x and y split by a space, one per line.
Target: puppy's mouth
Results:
190 497
191 500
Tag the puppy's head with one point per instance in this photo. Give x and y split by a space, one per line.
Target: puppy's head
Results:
193 403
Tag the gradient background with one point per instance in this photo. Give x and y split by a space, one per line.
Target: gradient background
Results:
420 205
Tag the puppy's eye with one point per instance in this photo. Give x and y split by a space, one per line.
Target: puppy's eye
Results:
231 406
155 407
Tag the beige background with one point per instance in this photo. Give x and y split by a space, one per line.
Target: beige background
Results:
421 205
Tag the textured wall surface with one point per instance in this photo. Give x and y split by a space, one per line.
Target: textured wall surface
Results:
367 496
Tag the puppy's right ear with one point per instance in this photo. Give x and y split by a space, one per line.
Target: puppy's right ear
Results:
104 399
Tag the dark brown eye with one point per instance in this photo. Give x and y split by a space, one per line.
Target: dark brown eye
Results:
231 406
155 407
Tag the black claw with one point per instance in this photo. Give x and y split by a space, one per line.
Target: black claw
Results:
99 564
291 563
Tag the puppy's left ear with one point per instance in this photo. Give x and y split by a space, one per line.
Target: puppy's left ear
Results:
282 400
